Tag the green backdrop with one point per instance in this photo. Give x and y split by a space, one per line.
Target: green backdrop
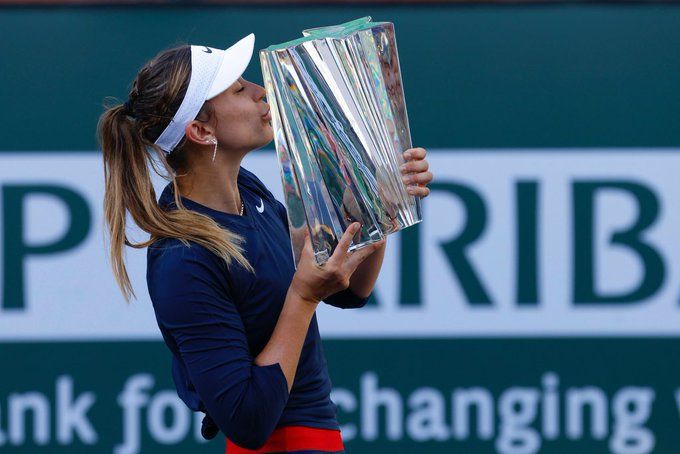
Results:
475 76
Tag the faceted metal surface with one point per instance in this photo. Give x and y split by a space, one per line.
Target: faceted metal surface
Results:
340 127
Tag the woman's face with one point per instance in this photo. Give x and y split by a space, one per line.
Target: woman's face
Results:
243 118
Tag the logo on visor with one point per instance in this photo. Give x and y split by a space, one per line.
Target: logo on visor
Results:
207 50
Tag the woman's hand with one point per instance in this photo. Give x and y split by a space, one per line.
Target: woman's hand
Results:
414 172
314 283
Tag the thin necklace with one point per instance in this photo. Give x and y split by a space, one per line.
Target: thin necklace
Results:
242 207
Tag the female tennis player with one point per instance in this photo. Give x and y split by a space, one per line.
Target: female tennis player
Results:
237 316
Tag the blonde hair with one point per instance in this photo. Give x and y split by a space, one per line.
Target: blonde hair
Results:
126 133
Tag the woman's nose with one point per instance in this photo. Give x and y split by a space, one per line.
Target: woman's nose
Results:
260 92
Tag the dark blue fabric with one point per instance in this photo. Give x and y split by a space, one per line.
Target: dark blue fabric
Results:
215 319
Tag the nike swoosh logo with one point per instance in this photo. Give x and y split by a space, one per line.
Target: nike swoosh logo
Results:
260 209
207 50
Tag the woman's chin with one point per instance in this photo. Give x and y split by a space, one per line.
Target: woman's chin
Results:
266 140
269 133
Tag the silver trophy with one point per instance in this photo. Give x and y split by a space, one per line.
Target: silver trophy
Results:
340 128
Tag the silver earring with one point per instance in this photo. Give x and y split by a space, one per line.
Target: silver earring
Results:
213 140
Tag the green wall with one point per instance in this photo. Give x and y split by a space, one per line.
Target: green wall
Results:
475 76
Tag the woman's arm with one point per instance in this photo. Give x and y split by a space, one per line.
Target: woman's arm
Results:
311 284
285 345
198 316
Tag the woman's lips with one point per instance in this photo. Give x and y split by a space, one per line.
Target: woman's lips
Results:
267 116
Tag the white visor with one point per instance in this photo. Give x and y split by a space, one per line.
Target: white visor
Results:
212 72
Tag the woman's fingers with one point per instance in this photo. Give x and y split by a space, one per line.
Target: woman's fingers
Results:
418 178
307 245
344 243
415 153
359 255
418 191
415 173
414 166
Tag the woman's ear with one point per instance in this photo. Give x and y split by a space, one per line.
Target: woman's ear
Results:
199 133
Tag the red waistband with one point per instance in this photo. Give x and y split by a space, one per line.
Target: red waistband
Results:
295 438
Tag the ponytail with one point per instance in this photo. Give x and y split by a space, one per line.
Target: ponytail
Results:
129 189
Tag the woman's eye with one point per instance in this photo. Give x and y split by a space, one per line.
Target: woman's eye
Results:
240 89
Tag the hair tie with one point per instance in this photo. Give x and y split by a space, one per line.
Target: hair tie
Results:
127 106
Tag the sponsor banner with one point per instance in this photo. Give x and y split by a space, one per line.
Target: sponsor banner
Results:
469 395
513 243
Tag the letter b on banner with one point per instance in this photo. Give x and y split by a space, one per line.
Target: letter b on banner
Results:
15 246
631 238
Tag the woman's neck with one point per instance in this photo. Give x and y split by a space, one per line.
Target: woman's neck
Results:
213 184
